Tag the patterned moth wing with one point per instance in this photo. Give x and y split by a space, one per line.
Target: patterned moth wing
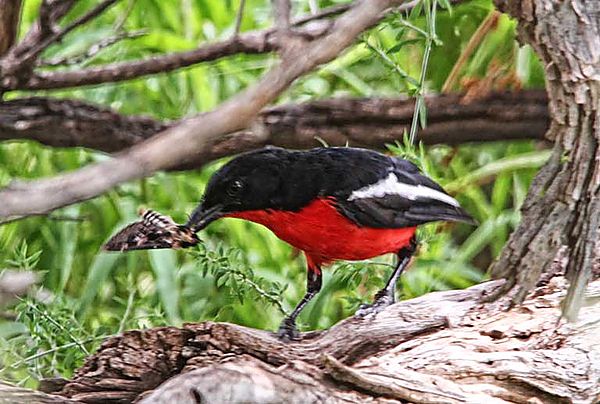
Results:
154 231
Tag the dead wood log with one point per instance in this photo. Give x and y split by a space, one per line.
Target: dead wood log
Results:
445 347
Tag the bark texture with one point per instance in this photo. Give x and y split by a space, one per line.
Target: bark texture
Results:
560 223
445 347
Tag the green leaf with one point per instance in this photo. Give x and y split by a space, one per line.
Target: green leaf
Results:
164 265
99 271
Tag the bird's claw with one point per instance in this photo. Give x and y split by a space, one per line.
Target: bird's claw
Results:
380 303
288 332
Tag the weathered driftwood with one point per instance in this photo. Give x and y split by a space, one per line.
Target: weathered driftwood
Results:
445 347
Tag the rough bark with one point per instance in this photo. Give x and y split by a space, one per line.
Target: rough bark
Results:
358 122
445 347
560 223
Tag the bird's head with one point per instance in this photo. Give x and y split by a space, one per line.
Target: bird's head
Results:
248 182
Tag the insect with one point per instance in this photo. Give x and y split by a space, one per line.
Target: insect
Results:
154 231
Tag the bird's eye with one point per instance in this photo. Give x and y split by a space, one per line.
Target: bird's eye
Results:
234 188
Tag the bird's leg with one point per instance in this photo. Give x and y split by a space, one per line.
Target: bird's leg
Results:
387 295
287 329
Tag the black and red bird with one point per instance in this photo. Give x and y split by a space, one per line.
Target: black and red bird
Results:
331 203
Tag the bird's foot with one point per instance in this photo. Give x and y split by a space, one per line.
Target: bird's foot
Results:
380 303
288 332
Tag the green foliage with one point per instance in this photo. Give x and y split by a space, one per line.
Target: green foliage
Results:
243 273
234 277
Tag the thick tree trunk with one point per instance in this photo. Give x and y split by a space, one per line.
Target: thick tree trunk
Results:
560 225
445 347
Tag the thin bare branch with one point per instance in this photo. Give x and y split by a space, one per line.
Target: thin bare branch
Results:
238 18
51 11
35 51
325 13
256 42
92 51
192 139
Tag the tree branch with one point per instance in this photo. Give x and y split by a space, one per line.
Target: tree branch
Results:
257 42
444 347
10 11
282 10
12 66
36 49
358 122
192 139
238 18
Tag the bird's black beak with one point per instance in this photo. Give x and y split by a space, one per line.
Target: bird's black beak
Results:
202 217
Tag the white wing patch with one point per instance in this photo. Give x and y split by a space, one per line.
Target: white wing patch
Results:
392 186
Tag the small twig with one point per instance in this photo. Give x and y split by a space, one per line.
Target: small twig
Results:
238 18
414 27
325 13
428 44
56 349
10 11
266 295
128 310
92 51
257 42
50 13
121 21
488 24
38 48
282 10
60 327
401 72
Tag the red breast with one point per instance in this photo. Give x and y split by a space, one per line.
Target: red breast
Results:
325 235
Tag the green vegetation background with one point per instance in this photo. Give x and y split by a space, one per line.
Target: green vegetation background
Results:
243 273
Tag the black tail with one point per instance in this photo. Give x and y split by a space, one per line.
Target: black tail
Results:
438 211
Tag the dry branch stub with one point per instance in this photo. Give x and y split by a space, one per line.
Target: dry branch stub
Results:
445 347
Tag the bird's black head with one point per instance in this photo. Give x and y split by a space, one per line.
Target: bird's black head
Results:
248 182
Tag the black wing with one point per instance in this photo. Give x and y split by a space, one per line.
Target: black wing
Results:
154 231
402 197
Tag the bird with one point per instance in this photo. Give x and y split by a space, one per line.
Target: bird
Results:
331 203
